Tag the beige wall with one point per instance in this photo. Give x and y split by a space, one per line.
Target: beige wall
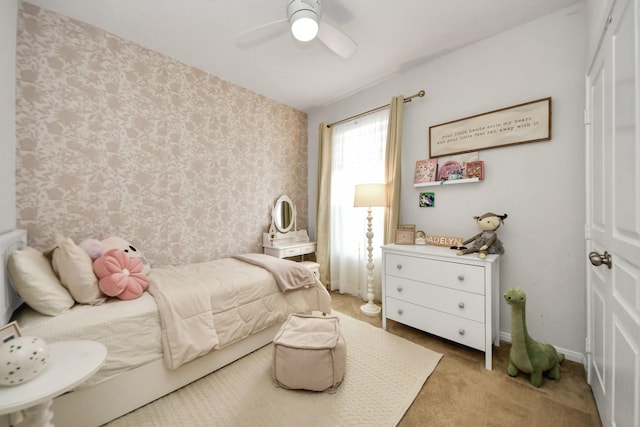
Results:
115 139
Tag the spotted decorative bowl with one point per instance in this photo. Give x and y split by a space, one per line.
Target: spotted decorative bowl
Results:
22 359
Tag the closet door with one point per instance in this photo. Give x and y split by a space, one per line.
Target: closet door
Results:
613 219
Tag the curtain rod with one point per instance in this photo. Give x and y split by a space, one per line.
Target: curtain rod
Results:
407 99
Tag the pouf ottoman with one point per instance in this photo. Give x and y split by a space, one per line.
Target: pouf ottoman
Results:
310 353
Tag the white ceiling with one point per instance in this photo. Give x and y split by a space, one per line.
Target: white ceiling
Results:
392 35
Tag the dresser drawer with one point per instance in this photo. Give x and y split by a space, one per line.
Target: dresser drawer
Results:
308 248
300 250
454 328
452 301
290 250
454 275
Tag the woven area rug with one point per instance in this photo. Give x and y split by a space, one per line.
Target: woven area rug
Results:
384 373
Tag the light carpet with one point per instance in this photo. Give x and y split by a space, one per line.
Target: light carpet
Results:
384 373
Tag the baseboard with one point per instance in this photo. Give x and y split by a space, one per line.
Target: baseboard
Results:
568 354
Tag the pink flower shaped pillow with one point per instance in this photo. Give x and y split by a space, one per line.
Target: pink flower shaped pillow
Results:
120 275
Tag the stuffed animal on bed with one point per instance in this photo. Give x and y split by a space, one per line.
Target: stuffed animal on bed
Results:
120 275
96 248
487 241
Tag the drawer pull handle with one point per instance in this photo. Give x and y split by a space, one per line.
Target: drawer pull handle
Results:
399 288
461 331
461 304
461 277
399 266
400 311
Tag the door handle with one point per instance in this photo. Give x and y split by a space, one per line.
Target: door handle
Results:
596 259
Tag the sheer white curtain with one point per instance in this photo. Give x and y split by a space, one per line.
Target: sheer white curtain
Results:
358 157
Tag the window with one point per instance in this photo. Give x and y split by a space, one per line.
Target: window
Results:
358 157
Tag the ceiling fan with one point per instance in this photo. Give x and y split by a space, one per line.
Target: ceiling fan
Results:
304 20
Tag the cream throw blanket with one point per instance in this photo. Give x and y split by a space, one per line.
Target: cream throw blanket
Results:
289 275
242 299
186 314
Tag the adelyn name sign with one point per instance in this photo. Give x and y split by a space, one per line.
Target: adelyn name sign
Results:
518 124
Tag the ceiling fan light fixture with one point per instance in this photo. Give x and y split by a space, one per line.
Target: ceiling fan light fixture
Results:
304 18
304 25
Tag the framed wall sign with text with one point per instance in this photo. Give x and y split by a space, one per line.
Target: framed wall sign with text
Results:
519 124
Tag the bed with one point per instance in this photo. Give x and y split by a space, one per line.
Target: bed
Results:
242 307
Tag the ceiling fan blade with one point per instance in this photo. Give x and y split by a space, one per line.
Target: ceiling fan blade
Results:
336 40
263 32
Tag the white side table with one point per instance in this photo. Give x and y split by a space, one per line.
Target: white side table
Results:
70 364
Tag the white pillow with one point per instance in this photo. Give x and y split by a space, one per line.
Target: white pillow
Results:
37 284
75 269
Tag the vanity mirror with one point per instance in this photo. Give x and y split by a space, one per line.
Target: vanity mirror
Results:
284 239
283 215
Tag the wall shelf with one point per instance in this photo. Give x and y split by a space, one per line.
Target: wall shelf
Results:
451 182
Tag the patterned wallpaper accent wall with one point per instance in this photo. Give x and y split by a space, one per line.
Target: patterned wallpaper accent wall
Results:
114 139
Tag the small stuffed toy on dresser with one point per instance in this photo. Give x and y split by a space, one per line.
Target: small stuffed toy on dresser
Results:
487 241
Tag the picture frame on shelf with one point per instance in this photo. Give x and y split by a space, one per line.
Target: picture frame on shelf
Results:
426 171
475 169
450 170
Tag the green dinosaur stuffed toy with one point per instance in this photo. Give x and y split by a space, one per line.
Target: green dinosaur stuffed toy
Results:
527 354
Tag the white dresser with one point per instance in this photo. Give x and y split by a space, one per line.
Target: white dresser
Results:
434 290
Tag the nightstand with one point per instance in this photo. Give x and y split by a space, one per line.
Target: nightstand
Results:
70 364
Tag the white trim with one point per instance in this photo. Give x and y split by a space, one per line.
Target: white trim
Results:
137 387
571 355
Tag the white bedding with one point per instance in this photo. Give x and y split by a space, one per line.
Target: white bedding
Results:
131 330
222 301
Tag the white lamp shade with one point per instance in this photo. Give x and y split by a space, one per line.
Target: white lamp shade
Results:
304 25
370 195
